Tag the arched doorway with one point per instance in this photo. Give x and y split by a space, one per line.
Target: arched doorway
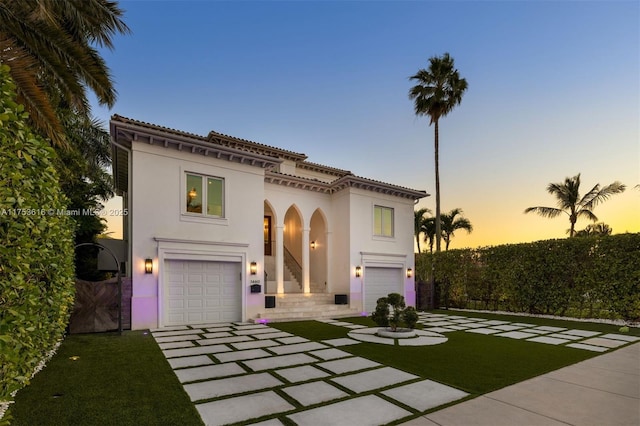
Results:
293 256
319 253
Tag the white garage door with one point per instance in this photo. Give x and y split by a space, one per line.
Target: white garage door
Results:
199 292
379 282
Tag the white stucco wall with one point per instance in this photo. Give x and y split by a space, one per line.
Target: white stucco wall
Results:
366 249
158 191
342 227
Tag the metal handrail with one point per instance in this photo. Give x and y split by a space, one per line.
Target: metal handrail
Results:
293 266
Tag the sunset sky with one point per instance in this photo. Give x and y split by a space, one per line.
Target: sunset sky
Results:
554 90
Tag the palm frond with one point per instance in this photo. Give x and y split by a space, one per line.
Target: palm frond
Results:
550 212
604 194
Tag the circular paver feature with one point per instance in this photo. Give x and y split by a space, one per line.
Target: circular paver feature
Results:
423 338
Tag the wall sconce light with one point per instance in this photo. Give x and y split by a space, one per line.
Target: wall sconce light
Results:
148 266
313 245
409 273
253 268
358 271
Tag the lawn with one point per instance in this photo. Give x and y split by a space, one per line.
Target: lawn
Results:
115 380
471 362
108 379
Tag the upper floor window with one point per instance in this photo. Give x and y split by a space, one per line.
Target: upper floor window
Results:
205 195
383 221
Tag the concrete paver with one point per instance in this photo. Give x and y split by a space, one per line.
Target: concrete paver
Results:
516 335
279 361
548 340
314 393
170 353
301 374
255 344
298 347
240 355
425 395
607 343
367 410
373 379
174 345
241 408
208 372
328 354
348 364
189 361
230 386
588 347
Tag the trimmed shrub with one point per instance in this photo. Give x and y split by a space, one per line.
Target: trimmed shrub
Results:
401 314
381 315
594 277
36 247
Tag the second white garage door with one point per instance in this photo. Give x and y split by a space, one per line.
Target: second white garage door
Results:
198 292
379 282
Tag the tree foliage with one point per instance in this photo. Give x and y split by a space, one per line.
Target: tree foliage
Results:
49 46
571 203
593 277
438 90
36 246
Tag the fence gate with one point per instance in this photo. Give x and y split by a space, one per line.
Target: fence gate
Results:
96 307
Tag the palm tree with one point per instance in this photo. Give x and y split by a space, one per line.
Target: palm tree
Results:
47 44
594 229
572 204
438 91
429 231
418 220
451 223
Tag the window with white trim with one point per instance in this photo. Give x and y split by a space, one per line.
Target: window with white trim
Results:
205 195
382 221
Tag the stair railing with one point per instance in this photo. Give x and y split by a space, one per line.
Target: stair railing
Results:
293 266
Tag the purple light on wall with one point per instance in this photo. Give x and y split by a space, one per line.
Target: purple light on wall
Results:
262 321
363 314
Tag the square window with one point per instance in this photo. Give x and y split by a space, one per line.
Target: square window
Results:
383 221
204 191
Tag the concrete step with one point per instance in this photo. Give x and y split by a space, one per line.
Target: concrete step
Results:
282 315
299 300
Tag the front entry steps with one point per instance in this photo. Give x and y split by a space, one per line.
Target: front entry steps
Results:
298 307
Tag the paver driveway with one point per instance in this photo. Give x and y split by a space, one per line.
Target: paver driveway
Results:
239 372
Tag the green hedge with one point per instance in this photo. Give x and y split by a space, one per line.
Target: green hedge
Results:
591 277
36 247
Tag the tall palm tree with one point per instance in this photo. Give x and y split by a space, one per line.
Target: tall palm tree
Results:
48 45
429 231
438 90
451 222
418 220
572 204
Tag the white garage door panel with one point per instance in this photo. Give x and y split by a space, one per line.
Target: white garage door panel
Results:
199 291
379 282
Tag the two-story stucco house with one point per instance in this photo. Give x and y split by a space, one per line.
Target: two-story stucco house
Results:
224 229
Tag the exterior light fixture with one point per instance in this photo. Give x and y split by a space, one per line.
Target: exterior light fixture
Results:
148 266
313 245
358 271
253 268
409 273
